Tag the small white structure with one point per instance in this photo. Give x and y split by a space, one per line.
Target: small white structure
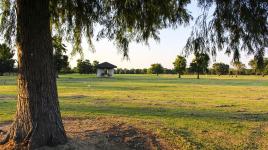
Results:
105 69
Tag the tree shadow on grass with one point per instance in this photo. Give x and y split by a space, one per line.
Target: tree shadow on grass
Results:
165 113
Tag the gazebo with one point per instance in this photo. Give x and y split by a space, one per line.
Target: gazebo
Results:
105 69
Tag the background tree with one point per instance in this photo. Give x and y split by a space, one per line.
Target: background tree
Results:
239 67
94 66
84 67
6 59
138 71
156 69
258 65
169 71
200 63
180 65
60 60
266 70
253 64
265 67
144 71
221 68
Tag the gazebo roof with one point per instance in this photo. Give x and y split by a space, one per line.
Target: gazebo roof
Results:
106 65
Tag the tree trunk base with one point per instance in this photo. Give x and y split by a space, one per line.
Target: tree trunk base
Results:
12 141
9 144
5 140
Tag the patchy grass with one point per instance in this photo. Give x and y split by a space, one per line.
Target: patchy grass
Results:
215 112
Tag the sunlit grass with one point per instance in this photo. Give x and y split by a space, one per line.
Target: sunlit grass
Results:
215 112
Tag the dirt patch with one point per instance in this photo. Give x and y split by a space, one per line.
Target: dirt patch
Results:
74 97
107 134
259 98
224 106
7 97
133 137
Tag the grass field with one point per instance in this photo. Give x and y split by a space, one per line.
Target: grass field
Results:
211 113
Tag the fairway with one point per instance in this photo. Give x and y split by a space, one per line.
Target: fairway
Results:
214 112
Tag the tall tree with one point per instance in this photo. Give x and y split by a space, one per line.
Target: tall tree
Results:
266 70
156 69
221 68
199 63
6 59
239 66
253 64
60 60
180 65
94 66
258 64
84 66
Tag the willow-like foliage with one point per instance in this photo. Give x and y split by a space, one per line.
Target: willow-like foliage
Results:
235 26
121 21
8 20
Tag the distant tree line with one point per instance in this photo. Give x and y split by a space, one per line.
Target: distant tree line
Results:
199 64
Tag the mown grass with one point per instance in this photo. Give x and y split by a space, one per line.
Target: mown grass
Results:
211 113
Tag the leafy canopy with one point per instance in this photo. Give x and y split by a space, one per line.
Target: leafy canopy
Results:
6 59
180 64
235 25
61 63
156 69
221 68
257 66
200 63
84 66
122 21
239 66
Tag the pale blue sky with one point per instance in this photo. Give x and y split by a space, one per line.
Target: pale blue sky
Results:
142 56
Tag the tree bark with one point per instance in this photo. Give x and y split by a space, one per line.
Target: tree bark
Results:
179 75
38 120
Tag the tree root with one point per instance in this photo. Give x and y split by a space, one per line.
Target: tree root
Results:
5 139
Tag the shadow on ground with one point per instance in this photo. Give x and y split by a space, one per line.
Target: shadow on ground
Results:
99 134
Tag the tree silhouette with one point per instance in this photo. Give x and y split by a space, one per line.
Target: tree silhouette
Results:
199 63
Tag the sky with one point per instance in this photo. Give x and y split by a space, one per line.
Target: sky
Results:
172 42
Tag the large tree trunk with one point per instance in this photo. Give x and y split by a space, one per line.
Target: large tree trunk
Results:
38 120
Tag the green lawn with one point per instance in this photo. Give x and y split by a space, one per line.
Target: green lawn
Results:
211 113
